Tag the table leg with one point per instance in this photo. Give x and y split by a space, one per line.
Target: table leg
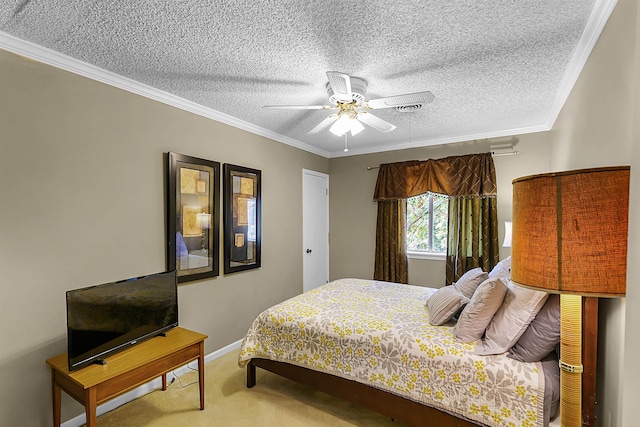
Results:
164 381
90 404
201 374
56 398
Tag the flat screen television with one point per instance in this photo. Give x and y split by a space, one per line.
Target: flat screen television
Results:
108 318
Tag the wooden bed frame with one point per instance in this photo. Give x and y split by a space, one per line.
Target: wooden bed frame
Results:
414 413
391 405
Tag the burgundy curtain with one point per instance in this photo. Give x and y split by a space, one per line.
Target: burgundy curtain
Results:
470 180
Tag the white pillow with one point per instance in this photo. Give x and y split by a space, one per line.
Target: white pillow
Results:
518 309
502 269
477 315
444 304
470 280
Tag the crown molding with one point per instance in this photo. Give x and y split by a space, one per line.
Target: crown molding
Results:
441 141
67 63
595 25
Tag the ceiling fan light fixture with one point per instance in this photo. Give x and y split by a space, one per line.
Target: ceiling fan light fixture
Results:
346 123
341 125
356 127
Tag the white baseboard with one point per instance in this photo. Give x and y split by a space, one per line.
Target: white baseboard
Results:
148 387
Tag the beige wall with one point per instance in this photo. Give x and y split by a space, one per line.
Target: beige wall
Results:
595 128
82 203
352 185
630 373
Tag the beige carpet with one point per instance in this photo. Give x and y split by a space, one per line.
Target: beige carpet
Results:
274 401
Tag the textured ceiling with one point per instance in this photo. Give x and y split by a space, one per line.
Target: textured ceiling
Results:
496 68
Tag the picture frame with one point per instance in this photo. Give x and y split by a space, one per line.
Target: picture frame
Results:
242 218
193 217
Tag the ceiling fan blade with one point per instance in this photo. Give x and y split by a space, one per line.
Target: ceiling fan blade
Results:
400 100
323 124
341 85
375 122
299 107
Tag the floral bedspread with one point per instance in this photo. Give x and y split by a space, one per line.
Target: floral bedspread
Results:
378 333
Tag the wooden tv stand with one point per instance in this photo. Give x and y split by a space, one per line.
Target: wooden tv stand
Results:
124 371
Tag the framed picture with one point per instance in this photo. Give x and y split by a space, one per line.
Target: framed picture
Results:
193 217
242 224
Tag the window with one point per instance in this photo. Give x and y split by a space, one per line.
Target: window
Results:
427 219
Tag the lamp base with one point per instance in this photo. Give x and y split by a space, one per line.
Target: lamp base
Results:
570 360
578 369
584 415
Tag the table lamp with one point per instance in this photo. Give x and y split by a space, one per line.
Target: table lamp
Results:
507 234
569 236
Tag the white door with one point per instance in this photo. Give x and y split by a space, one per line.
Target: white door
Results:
315 229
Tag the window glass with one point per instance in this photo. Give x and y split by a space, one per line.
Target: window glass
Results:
427 219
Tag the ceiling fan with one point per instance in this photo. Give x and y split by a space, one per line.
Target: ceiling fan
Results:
346 94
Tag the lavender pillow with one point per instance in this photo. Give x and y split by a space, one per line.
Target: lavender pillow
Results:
541 336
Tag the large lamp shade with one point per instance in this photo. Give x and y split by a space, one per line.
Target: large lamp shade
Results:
570 231
569 236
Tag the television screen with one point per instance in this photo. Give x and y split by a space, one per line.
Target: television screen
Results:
111 317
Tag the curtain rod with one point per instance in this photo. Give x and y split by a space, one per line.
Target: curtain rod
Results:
508 153
493 154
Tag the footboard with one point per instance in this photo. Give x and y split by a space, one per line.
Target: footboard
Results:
388 404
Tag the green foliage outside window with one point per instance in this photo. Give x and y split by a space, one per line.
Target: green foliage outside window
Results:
426 230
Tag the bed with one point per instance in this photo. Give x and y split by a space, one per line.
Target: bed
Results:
371 342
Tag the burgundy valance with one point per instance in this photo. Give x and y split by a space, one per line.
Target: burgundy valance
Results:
472 175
